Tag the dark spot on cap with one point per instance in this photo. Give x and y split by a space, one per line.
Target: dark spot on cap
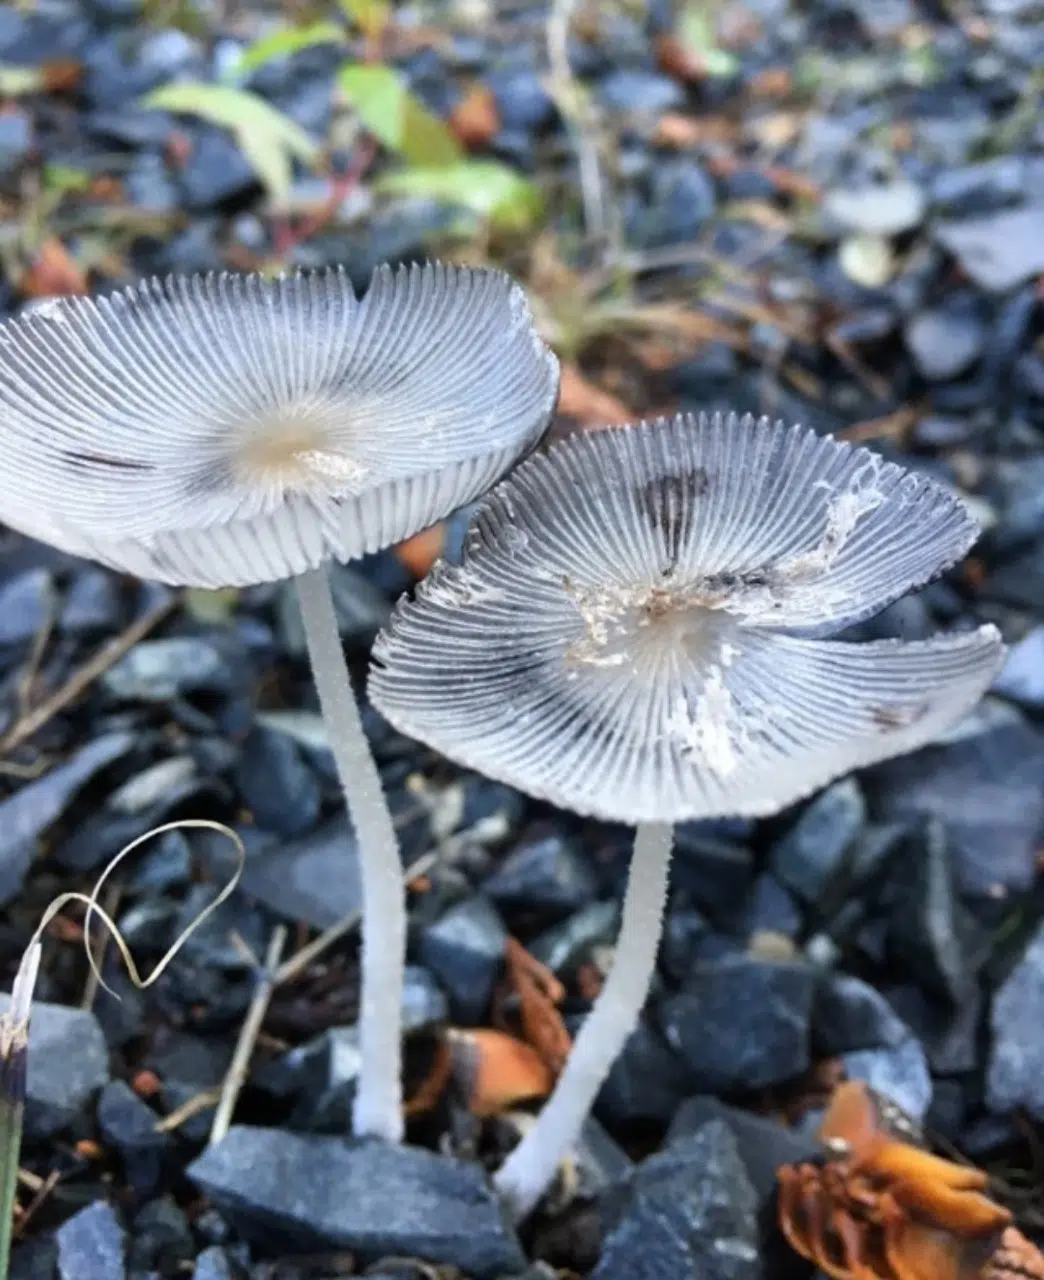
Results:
106 464
666 502
897 715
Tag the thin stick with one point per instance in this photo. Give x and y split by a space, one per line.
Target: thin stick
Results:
85 675
300 960
574 112
14 1058
378 1101
530 1168
255 1016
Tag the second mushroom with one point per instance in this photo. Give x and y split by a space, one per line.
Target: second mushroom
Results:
635 634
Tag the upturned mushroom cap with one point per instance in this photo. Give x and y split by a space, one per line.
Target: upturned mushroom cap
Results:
619 639
223 430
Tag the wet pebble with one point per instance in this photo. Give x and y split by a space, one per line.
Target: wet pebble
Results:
1015 1072
548 876
688 1210
1022 676
129 1124
851 1015
947 340
32 809
1000 251
985 784
91 1244
809 858
314 878
643 92
900 1073
647 1081
276 784
158 670
374 1199
884 208
16 141
465 949
216 170
26 603
741 1023
92 603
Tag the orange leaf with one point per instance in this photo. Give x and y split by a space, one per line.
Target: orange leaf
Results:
432 1086
475 119
421 551
53 273
578 398
499 1071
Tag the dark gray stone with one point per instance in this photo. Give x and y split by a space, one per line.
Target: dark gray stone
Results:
277 785
464 949
1022 676
742 1024
850 1015
1015 1072
930 934
374 1199
213 1264
686 1211
998 251
880 208
16 140
159 670
566 944
646 1082
161 1240
68 1062
314 878
985 784
129 1124
32 809
643 92
522 100
92 603
25 603
216 170
680 202
547 876
810 856
90 1244
900 1073
945 341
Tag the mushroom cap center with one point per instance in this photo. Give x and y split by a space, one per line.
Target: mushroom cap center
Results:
643 627
296 451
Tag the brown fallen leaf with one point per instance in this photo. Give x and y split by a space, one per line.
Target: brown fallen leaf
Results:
53 273
421 551
496 1071
61 75
581 399
539 994
679 60
682 132
475 119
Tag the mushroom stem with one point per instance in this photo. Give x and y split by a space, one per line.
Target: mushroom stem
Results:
529 1169
378 1099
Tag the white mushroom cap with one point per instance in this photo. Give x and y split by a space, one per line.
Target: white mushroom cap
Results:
618 639
223 430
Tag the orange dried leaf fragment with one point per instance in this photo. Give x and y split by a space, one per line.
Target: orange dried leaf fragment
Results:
581 399
539 994
421 551
475 119
53 273
498 1071
882 1207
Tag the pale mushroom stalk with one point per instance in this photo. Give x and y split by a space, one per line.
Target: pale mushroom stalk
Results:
531 1166
227 431
378 1109
638 631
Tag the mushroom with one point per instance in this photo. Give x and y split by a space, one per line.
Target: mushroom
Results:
228 430
635 634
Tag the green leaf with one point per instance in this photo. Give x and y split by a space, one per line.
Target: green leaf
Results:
487 188
696 30
268 139
370 16
16 81
281 44
59 178
395 117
